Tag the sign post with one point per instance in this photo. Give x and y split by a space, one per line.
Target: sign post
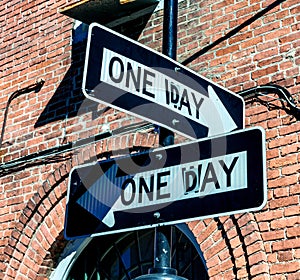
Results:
205 178
135 79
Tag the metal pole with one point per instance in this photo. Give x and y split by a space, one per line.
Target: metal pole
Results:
162 253
163 236
162 259
169 48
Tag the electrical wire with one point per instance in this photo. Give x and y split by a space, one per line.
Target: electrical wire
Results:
81 143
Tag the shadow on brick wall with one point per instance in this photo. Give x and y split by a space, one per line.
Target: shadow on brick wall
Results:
68 97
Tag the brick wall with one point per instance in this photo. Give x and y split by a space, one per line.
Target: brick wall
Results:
36 43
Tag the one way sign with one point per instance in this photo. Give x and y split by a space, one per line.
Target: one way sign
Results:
207 178
128 76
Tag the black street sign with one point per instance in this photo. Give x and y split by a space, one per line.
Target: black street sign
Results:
133 78
205 178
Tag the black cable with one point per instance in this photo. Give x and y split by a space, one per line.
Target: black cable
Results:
282 92
71 146
36 87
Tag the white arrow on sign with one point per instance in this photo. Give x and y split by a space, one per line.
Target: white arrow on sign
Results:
154 188
154 85
102 195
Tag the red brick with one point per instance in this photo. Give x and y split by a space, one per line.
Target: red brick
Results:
273 235
293 276
197 227
272 258
214 271
285 201
252 238
249 228
238 251
206 244
291 169
264 226
285 256
223 255
231 233
261 49
257 258
235 242
228 50
213 262
242 273
207 232
244 219
264 276
214 249
281 192
274 123
285 267
277 34
294 189
226 265
255 247
269 216
294 231
283 181
259 269
293 210
286 244
282 141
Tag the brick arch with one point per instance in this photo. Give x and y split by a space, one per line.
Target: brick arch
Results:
232 247
40 225
38 233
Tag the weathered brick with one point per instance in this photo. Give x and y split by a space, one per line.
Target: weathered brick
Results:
273 235
207 232
294 231
285 256
269 215
255 247
293 210
283 181
257 258
285 267
282 202
281 192
259 269
286 244
282 141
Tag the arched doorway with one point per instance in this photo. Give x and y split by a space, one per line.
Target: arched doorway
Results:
125 256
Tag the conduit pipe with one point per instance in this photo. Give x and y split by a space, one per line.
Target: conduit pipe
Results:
282 92
36 87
